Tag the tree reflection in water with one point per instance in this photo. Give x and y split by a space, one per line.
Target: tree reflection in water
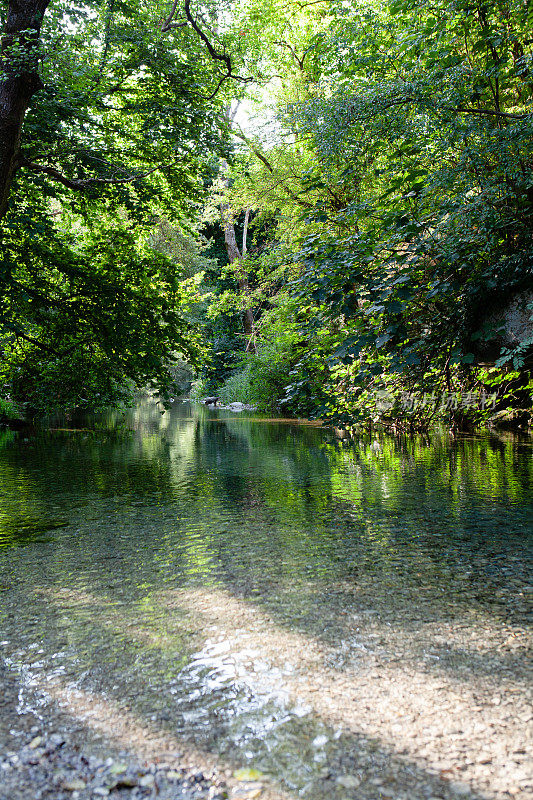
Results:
259 586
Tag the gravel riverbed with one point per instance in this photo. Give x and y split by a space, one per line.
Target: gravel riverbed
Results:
45 753
219 607
422 735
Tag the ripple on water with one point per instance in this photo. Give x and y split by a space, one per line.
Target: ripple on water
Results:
272 595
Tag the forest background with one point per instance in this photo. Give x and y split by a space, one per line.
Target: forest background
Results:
323 208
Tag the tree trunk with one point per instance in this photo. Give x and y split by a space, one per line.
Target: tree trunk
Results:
234 257
19 61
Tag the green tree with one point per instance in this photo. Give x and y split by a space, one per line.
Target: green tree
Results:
405 139
109 116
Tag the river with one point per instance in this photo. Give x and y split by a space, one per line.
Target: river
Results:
344 619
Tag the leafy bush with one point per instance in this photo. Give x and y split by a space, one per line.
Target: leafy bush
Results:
9 409
262 376
198 389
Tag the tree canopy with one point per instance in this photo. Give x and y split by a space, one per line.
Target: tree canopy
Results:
398 196
385 186
119 117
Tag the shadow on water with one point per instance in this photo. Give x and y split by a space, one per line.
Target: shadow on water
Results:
236 580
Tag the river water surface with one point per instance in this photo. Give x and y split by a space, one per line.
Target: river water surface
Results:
261 593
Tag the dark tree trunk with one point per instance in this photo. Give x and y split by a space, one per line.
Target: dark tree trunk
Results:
19 61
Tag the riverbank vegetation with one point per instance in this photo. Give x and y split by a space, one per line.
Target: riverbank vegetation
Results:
325 208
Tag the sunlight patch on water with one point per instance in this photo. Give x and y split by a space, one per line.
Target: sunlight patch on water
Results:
252 689
277 599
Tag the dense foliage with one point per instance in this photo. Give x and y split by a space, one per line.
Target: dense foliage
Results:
117 140
370 249
399 199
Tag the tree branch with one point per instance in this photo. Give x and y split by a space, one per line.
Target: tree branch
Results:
168 23
37 343
299 61
80 185
213 52
400 101
257 153
215 55
208 97
483 111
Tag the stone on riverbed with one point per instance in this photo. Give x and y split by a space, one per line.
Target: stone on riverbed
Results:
238 406
235 405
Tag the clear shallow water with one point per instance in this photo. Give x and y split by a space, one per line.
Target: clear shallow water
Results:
196 567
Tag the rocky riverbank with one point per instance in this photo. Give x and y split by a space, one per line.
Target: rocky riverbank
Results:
46 753
235 405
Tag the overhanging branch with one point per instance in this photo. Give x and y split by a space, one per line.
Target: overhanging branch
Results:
80 185
215 55
409 99
218 56
168 24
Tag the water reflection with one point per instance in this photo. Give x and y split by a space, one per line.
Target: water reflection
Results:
239 580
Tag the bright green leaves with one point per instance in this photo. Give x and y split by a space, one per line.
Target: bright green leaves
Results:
121 141
82 326
393 197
